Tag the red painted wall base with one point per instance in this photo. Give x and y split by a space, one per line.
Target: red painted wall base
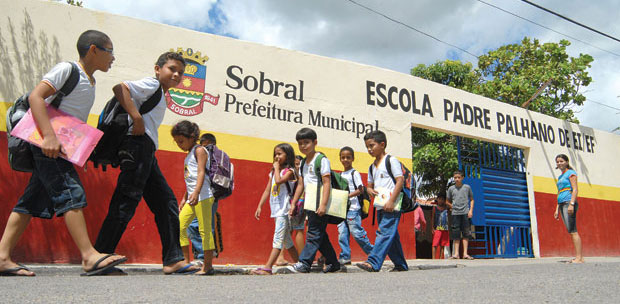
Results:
597 224
245 240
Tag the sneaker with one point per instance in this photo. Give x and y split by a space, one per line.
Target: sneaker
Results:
344 261
298 267
331 268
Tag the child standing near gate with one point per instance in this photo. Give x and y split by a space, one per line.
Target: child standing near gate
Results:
198 198
279 190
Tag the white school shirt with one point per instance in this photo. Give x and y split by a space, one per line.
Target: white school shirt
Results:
81 99
380 177
309 172
350 176
140 91
279 197
191 175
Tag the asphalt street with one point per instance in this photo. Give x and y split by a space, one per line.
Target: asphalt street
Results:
545 280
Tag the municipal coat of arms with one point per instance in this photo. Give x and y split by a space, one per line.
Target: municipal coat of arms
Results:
188 97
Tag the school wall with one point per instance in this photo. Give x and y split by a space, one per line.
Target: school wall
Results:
341 100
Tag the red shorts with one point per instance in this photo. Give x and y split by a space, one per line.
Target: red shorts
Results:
441 238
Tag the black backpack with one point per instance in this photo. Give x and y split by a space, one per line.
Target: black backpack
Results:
114 122
363 198
20 156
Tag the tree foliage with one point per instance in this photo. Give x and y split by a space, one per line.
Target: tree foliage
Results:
514 73
511 74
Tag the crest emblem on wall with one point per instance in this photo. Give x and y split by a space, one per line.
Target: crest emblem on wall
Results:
189 96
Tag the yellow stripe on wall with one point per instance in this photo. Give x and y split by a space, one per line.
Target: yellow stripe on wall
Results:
261 150
239 147
548 185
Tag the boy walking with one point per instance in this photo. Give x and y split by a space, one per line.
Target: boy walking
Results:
352 225
387 241
55 187
316 238
140 174
460 199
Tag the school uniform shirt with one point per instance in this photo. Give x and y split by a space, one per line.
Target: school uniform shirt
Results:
280 197
380 178
140 91
79 102
191 175
354 178
309 171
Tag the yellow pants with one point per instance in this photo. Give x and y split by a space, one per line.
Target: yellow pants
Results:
202 211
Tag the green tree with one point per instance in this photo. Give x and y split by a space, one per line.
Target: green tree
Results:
434 153
512 74
515 72
75 3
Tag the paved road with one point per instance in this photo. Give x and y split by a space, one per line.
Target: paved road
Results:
481 281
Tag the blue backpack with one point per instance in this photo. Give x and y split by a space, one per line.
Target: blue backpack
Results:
409 203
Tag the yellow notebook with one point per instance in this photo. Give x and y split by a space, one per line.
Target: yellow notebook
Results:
336 205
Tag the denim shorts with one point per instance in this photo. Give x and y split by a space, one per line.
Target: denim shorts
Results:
54 188
570 221
460 227
282 234
298 222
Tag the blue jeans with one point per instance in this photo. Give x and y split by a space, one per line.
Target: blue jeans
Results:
194 234
387 242
352 225
317 239
141 177
54 188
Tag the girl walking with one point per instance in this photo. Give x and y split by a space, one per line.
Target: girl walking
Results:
198 198
279 190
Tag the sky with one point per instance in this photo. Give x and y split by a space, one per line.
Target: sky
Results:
341 29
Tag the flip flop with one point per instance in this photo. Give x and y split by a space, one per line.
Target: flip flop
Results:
184 270
13 272
365 266
282 264
114 271
469 257
261 271
210 272
453 258
95 270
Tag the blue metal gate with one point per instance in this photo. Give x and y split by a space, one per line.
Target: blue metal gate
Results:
501 218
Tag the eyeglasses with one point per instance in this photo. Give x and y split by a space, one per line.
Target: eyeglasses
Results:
111 51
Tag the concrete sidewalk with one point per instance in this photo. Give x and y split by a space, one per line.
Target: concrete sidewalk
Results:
418 264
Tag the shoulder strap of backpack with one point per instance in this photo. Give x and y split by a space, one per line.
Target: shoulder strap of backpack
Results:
152 102
388 166
317 170
207 164
286 183
353 179
69 85
317 167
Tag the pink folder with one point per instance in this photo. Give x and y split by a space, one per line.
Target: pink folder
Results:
77 138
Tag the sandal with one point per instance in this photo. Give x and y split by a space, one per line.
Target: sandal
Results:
468 257
261 271
365 266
